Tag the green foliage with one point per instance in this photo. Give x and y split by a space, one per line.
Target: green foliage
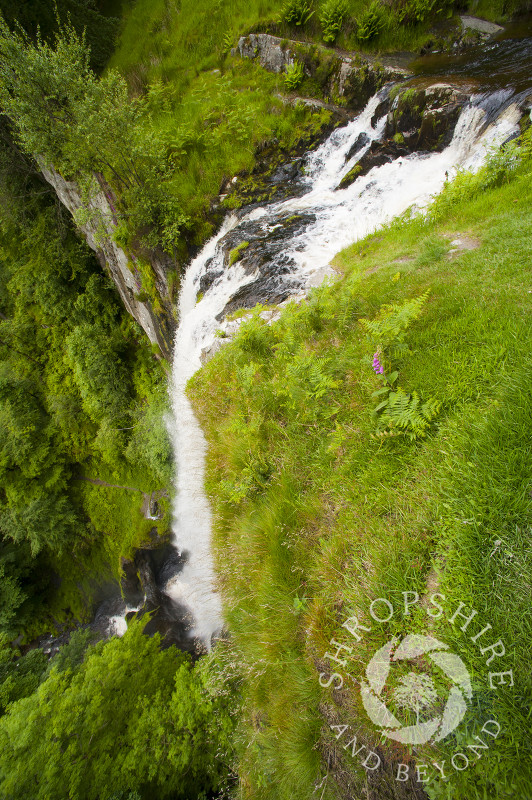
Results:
149 446
332 16
99 369
19 677
500 167
309 504
401 413
236 253
227 43
297 12
47 521
70 656
397 411
294 74
12 595
76 389
81 125
39 17
76 735
370 22
414 12
389 327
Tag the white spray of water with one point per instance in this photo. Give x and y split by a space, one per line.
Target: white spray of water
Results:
342 217
117 624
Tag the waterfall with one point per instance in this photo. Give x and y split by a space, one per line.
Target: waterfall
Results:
338 218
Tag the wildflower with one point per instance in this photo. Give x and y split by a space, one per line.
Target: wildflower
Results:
377 366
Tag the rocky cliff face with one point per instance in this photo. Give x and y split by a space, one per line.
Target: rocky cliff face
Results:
153 308
348 80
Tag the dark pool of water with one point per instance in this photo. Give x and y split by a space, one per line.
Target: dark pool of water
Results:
503 62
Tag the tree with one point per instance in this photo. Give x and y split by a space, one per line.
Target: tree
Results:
19 677
87 128
42 17
99 371
131 718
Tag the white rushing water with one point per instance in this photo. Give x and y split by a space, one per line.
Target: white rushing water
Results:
341 218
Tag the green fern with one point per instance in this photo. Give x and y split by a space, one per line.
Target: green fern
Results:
371 22
294 74
398 413
332 16
227 42
403 414
392 321
297 12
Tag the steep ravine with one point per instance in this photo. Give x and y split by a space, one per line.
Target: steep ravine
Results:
395 154
98 230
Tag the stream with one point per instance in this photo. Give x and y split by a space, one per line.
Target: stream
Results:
291 244
328 220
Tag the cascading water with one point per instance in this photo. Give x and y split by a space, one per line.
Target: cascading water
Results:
336 218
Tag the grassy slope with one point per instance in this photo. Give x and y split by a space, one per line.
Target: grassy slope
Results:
315 516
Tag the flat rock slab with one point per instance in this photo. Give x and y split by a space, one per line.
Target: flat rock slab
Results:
461 244
480 25
321 275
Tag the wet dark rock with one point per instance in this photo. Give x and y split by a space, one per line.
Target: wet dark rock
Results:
208 278
378 154
287 172
420 120
278 173
147 578
360 142
264 260
425 118
166 563
382 109
129 581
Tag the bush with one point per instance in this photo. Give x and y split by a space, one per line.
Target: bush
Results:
332 16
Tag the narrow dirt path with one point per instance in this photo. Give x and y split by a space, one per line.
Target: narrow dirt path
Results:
98 482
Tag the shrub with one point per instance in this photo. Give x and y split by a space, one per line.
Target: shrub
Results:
332 16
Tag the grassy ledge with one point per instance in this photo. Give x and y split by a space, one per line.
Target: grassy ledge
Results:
322 506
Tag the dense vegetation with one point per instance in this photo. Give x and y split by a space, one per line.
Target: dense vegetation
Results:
81 397
327 495
123 720
39 18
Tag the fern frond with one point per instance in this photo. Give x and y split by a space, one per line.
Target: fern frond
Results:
392 321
